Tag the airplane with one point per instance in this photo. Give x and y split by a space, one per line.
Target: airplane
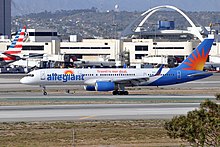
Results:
116 79
12 54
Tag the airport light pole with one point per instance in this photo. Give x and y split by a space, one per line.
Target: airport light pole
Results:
73 139
141 30
155 37
27 65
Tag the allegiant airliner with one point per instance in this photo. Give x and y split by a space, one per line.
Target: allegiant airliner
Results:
116 79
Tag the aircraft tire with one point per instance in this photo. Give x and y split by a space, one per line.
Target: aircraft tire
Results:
125 93
120 92
45 93
115 93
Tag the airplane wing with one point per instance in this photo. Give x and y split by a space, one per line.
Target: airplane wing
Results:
133 81
126 81
31 56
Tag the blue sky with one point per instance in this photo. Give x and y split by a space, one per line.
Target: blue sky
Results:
28 6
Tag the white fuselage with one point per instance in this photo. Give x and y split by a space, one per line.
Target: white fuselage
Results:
87 76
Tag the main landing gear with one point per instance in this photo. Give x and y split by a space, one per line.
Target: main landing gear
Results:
116 92
120 90
68 91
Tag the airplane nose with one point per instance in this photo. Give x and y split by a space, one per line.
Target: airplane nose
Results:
23 81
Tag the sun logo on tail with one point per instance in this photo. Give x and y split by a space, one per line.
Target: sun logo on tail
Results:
68 72
196 62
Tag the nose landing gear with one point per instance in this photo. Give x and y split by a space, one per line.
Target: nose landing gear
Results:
45 93
44 90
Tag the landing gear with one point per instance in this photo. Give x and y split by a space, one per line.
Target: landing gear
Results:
115 92
44 90
126 93
45 93
120 92
68 91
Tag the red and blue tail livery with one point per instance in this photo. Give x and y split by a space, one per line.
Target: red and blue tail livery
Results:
12 54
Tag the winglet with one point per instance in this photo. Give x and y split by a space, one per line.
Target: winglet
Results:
159 70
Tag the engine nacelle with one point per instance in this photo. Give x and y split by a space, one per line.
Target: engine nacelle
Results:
104 86
89 88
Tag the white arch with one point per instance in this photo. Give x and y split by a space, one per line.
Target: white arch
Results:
151 11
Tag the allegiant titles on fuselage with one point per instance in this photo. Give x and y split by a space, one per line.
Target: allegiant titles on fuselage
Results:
64 77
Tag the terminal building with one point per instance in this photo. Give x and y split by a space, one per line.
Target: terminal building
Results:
135 47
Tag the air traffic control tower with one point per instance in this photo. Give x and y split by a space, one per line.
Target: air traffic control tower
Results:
5 17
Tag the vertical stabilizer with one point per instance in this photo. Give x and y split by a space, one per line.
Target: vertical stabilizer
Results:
16 45
196 60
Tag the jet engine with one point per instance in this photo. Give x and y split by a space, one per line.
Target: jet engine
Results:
89 88
104 86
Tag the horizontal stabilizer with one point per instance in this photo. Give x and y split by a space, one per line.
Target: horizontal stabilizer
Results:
200 74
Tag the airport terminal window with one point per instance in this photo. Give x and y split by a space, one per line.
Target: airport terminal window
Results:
95 48
85 48
30 48
64 47
105 47
42 33
74 47
168 47
141 48
139 56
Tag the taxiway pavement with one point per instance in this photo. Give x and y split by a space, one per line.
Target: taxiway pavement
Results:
94 112
12 90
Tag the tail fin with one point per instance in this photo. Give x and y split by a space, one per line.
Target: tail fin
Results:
196 60
159 70
16 45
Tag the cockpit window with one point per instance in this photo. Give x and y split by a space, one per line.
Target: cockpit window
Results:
30 75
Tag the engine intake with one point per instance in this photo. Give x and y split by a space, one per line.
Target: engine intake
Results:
89 88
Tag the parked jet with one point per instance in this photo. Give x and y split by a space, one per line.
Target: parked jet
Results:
113 79
12 54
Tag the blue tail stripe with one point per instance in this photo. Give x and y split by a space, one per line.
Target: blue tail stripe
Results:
13 44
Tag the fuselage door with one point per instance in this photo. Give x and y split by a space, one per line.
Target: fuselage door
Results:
42 75
178 74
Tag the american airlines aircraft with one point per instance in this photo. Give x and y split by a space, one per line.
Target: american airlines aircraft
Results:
12 54
115 79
